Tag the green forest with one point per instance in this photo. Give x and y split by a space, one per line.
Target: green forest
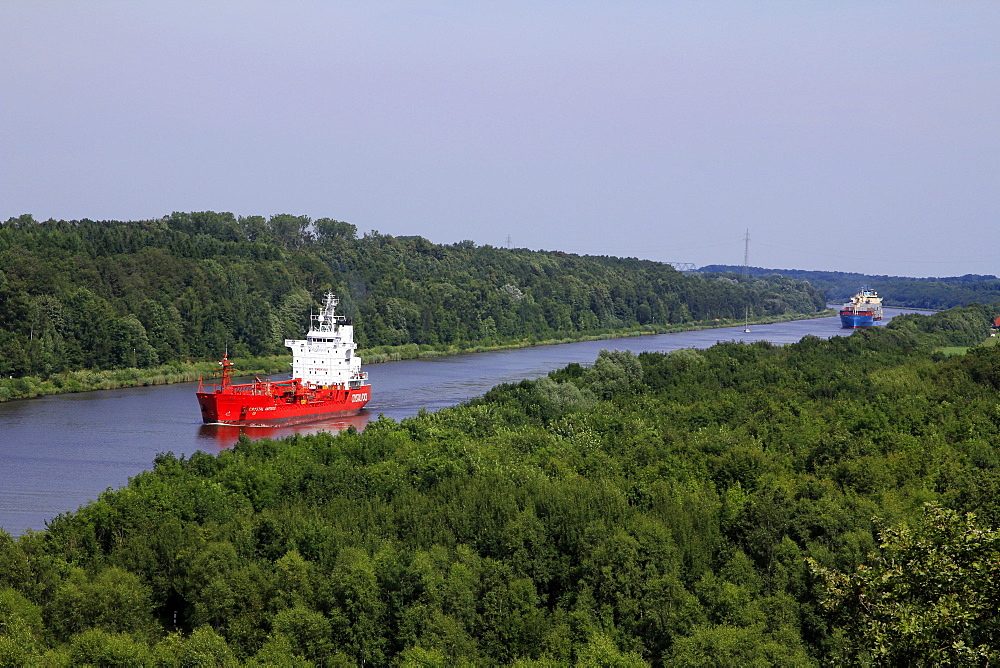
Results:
88 294
923 293
825 502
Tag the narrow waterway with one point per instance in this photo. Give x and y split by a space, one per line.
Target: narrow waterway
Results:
59 452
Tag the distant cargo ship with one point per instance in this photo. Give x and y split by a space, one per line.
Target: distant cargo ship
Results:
326 382
864 310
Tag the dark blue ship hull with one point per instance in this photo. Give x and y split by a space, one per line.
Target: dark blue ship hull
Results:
856 320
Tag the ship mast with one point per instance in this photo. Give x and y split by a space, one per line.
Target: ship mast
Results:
226 363
746 275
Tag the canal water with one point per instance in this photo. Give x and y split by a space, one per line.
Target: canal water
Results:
59 452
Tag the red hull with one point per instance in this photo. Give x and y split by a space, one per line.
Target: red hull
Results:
278 403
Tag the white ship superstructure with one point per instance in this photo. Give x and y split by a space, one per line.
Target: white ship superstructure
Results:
327 357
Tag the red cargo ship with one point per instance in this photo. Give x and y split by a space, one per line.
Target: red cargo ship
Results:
326 382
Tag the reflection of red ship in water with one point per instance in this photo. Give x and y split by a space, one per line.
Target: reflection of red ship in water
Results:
327 381
225 435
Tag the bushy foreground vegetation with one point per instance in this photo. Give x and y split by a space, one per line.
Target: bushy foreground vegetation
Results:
84 294
742 505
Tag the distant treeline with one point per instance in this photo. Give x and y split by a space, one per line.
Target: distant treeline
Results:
929 293
745 505
86 294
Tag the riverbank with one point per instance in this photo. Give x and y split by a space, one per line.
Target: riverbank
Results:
88 380
177 372
419 351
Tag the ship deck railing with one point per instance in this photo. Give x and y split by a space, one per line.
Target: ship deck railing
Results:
259 387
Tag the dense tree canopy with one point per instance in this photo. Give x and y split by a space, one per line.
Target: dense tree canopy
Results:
929 597
108 294
730 506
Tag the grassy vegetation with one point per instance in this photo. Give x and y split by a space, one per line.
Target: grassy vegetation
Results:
89 379
951 351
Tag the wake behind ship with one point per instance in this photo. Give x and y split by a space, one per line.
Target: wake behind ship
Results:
326 382
864 310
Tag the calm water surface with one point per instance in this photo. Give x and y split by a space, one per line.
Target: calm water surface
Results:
59 452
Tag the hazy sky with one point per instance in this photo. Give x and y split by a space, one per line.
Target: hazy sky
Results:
852 136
